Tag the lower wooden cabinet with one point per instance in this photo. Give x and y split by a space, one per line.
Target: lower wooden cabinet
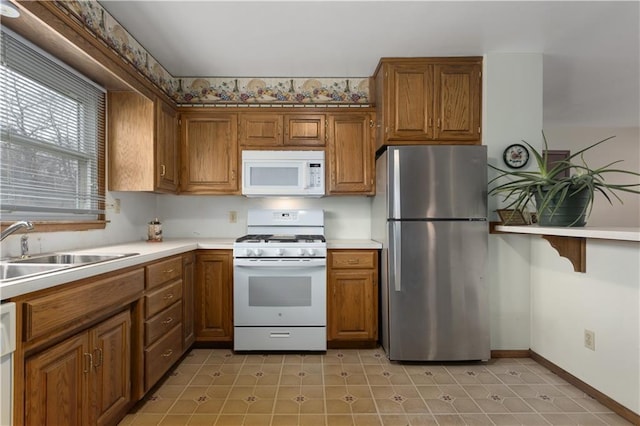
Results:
352 297
188 282
214 296
84 380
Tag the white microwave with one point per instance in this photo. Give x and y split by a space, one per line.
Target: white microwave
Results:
283 173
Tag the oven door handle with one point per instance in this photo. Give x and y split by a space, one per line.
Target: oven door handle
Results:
280 263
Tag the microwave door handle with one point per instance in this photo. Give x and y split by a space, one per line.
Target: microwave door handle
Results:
305 175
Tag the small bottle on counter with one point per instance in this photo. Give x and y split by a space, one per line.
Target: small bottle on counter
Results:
154 231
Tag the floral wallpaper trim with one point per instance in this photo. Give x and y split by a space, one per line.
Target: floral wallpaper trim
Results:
214 90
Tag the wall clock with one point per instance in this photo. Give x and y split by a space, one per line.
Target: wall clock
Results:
516 156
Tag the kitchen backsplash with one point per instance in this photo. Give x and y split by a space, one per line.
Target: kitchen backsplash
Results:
215 90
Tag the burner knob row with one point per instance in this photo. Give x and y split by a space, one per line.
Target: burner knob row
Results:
279 252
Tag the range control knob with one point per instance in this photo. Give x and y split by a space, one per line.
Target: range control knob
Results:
311 252
248 252
301 252
279 252
258 252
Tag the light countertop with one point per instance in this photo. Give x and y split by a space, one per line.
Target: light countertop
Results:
605 233
147 252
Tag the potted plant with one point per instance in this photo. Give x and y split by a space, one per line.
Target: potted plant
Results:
562 199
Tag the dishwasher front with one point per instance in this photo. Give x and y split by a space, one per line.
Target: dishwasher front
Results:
7 348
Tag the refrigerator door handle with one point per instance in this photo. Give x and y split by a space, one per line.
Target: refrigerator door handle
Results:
396 183
397 256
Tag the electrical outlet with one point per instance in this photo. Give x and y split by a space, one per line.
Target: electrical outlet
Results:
233 216
590 339
116 205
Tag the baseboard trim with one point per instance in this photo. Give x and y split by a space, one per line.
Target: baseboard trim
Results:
510 353
603 399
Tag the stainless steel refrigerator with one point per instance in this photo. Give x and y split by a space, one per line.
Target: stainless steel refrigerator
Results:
430 212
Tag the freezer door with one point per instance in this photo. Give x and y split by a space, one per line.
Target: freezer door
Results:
436 291
437 181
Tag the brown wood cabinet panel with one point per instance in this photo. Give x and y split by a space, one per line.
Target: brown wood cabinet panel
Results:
457 96
214 291
411 108
260 130
304 130
209 153
110 344
72 307
167 152
352 297
351 156
188 283
162 322
162 297
143 143
160 356
164 271
428 101
56 387
354 259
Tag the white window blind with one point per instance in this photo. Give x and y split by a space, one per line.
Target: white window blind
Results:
52 137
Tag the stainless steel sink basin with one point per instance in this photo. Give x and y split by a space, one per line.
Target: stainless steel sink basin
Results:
11 269
71 258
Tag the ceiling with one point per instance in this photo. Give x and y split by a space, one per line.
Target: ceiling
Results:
591 50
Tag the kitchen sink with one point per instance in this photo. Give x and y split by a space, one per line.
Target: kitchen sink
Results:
70 258
11 269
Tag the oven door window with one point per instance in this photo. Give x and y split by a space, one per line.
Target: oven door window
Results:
279 291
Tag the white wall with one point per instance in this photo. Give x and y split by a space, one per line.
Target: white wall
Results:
208 216
605 299
512 111
128 225
624 146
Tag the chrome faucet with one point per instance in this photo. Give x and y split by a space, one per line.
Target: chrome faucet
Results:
14 227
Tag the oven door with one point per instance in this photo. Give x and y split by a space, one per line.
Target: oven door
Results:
282 291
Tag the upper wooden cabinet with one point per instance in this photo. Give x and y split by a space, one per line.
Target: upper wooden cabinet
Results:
428 100
274 130
142 143
209 143
350 156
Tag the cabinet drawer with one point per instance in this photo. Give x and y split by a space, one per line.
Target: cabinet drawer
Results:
157 300
71 307
160 356
353 259
162 322
164 271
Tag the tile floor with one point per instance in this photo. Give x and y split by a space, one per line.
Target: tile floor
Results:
361 387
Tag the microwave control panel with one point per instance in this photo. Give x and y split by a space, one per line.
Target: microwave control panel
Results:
315 175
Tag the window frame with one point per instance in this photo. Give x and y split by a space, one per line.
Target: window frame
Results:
69 224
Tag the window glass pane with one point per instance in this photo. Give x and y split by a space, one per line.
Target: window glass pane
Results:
52 137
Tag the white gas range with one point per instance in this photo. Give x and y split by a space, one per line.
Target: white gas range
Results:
280 282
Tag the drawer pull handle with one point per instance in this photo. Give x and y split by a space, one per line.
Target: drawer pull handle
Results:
353 261
88 355
168 271
167 353
168 296
279 334
167 321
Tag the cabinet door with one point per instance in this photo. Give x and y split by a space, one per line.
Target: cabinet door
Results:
110 344
213 295
410 102
304 130
352 308
209 154
260 130
351 159
188 281
57 384
166 147
457 99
